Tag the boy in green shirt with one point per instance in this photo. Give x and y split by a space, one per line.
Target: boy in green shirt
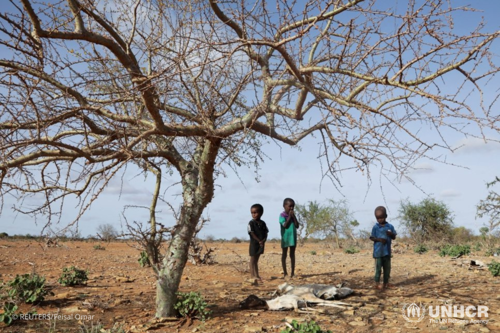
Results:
289 226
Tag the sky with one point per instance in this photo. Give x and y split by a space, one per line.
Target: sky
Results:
297 173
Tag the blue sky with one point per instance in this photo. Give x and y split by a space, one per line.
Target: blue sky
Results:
296 173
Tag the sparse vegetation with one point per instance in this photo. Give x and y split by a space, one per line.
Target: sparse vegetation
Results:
490 206
9 309
27 288
494 268
421 248
144 259
324 221
429 220
493 252
192 305
99 247
72 276
351 250
305 327
107 232
235 240
313 253
454 250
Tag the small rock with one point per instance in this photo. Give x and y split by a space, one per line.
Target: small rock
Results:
124 279
297 319
357 323
252 282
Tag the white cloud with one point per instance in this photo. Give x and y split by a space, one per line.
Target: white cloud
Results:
476 145
450 193
121 188
422 168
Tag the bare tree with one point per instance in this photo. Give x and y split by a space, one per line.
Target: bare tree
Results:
107 232
89 87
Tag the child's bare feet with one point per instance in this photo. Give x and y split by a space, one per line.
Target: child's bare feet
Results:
388 286
378 286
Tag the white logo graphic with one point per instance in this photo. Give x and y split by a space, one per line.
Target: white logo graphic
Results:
413 313
469 314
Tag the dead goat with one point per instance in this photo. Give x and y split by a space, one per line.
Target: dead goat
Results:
300 297
315 290
286 302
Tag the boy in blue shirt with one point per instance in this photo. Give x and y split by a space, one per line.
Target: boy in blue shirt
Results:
382 235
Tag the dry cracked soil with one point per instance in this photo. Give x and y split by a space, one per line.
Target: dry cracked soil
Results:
121 294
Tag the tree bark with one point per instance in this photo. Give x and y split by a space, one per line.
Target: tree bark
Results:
197 192
177 254
173 265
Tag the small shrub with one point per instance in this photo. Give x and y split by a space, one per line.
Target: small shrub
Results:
28 288
72 276
494 252
454 250
4 235
477 247
235 240
305 327
107 232
9 310
421 248
99 247
494 268
192 305
351 250
144 259
313 253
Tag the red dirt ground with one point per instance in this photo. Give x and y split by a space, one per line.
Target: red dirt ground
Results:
121 293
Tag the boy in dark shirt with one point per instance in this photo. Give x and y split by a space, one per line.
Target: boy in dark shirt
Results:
258 232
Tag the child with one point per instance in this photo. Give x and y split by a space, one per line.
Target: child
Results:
382 235
289 226
258 231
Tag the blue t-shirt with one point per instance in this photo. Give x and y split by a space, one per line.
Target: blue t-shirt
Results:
379 231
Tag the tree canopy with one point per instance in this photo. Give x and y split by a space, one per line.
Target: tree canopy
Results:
428 220
490 206
90 88
326 220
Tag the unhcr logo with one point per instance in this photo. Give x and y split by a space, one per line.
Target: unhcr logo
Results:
441 314
413 313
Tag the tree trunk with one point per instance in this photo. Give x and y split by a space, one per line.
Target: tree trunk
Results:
176 257
197 192
173 265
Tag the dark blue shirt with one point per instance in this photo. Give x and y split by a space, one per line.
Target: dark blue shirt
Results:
380 231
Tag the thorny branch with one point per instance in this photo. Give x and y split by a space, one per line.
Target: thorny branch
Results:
188 85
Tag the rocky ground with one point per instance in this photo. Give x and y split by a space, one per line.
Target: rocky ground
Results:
121 293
